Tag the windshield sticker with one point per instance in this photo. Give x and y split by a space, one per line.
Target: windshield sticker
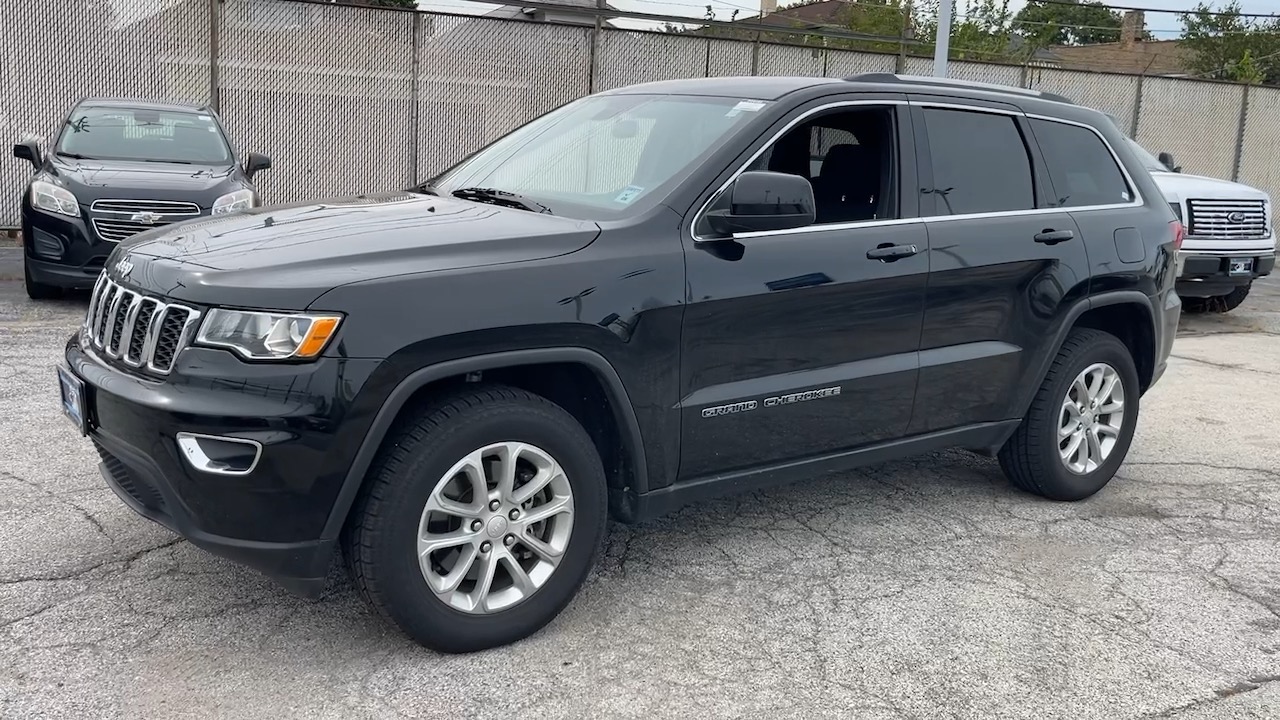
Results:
745 106
628 194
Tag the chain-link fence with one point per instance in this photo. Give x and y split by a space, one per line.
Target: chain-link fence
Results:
355 99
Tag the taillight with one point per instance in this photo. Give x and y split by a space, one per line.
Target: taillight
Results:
1178 233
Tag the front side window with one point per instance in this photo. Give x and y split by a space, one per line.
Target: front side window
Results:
143 135
980 163
1081 167
603 156
848 156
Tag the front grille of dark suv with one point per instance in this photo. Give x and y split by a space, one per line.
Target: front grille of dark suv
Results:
116 220
1227 219
138 330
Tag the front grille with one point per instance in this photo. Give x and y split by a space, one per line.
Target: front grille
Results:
138 330
116 220
159 207
1227 219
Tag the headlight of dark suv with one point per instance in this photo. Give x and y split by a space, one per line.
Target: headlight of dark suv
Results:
268 336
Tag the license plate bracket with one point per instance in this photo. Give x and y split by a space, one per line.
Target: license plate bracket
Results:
1239 266
71 391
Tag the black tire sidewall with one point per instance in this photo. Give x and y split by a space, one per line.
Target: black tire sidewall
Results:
1062 484
411 603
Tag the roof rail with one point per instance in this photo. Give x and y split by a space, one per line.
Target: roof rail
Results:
882 77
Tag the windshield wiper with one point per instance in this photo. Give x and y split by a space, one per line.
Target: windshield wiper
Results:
501 197
75 156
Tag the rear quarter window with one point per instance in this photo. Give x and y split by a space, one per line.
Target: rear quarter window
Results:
1081 167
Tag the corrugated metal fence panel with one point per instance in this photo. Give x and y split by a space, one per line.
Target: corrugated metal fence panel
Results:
1260 161
785 60
479 78
324 90
1195 121
157 54
843 63
729 57
982 72
626 58
1109 93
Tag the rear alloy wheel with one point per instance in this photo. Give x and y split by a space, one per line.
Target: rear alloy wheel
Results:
480 519
1080 424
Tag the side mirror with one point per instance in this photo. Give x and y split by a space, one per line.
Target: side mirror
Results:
1167 160
763 201
255 163
28 150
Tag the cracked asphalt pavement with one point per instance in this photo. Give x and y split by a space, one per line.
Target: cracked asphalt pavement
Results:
921 589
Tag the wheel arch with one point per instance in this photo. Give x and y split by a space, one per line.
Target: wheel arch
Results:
1127 314
504 366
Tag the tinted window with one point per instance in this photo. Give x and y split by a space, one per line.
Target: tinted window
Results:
1081 168
847 157
980 163
144 135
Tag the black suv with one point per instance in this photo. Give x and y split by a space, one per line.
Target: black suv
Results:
648 297
118 168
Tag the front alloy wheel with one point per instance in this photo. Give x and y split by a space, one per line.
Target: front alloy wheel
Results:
480 519
495 527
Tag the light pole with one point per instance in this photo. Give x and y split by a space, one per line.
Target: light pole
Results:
942 43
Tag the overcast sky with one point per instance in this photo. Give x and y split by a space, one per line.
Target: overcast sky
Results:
1162 25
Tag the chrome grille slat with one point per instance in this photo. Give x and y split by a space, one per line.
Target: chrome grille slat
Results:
1212 218
128 326
160 207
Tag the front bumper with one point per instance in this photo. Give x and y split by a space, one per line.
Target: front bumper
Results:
274 518
62 251
1208 273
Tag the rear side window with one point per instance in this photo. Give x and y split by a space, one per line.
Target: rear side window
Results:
980 163
1083 171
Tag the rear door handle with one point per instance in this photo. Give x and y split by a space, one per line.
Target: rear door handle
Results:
889 253
1053 237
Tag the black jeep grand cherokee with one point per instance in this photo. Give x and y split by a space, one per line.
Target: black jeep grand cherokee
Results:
648 297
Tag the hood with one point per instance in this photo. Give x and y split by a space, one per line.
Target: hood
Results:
284 257
91 180
1178 187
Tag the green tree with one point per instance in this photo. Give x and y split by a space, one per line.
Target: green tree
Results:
981 30
1078 23
1224 45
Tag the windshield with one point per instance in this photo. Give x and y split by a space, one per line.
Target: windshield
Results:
114 133
1149 161
603 156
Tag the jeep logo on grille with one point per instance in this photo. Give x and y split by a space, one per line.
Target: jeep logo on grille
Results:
124 267
1236 217
149 218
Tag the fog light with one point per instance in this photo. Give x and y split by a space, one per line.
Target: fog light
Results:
46 245
219 455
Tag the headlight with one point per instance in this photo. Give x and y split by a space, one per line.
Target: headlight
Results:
51 198
234 202
268 336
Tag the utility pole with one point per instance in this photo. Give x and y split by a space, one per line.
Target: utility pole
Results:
942 43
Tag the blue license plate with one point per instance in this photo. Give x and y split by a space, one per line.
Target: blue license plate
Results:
71 388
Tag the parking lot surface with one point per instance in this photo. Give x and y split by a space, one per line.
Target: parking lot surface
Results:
921 589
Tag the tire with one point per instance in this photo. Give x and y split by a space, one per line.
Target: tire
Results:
35 290
1032 457
1217 303
381 541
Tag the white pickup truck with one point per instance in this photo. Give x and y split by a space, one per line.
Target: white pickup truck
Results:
1229 240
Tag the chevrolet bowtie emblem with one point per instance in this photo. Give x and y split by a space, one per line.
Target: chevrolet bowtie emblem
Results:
149 218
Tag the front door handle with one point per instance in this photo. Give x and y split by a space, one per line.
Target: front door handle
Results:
889 253
1053 237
